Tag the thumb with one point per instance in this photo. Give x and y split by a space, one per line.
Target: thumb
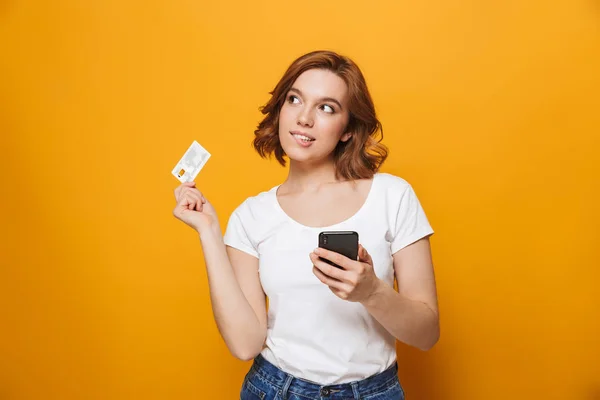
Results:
363 255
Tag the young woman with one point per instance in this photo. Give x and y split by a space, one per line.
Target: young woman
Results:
329 332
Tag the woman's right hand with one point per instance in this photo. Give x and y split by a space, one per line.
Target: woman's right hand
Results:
193 208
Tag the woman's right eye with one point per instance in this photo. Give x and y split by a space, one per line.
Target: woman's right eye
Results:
293 99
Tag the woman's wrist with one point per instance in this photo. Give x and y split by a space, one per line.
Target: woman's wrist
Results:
379 288
209 233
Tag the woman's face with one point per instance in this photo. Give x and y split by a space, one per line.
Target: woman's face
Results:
314 116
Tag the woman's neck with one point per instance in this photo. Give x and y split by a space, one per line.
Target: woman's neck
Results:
309 178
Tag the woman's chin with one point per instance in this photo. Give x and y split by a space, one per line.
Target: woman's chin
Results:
307 155
307 160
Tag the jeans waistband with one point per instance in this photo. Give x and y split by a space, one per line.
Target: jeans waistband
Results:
290 383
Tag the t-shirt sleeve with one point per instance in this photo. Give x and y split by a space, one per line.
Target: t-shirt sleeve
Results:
411 223
236 234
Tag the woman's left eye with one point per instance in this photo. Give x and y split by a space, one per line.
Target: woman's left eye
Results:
327 108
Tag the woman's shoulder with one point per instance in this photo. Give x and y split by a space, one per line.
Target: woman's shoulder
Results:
392 182
258 202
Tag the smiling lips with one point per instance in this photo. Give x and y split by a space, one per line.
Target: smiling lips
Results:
302 138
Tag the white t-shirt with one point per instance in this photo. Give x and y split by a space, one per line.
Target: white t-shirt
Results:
311 333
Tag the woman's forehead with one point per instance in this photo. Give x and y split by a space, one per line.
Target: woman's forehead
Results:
319 83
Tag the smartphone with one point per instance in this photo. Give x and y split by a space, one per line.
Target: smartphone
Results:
343 242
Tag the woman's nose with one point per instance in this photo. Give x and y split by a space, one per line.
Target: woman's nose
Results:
305 119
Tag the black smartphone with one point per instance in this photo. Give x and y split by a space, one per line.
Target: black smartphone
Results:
343 242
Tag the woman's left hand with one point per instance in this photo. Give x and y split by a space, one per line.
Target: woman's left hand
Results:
355 282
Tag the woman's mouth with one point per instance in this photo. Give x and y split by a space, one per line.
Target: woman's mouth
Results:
302 139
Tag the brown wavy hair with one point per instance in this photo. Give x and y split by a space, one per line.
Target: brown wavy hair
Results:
359 157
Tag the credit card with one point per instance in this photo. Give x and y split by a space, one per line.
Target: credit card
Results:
191 163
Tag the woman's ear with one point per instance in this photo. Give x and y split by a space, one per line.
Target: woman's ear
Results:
346 136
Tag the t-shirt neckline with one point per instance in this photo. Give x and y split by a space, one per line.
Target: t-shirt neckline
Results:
328 227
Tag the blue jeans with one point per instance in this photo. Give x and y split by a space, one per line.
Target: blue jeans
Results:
265 381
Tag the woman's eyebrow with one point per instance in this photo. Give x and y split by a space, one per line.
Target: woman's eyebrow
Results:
331 99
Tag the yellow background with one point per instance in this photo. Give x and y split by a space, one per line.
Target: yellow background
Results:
490 109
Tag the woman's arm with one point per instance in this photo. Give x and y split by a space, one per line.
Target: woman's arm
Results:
237 298
411 314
